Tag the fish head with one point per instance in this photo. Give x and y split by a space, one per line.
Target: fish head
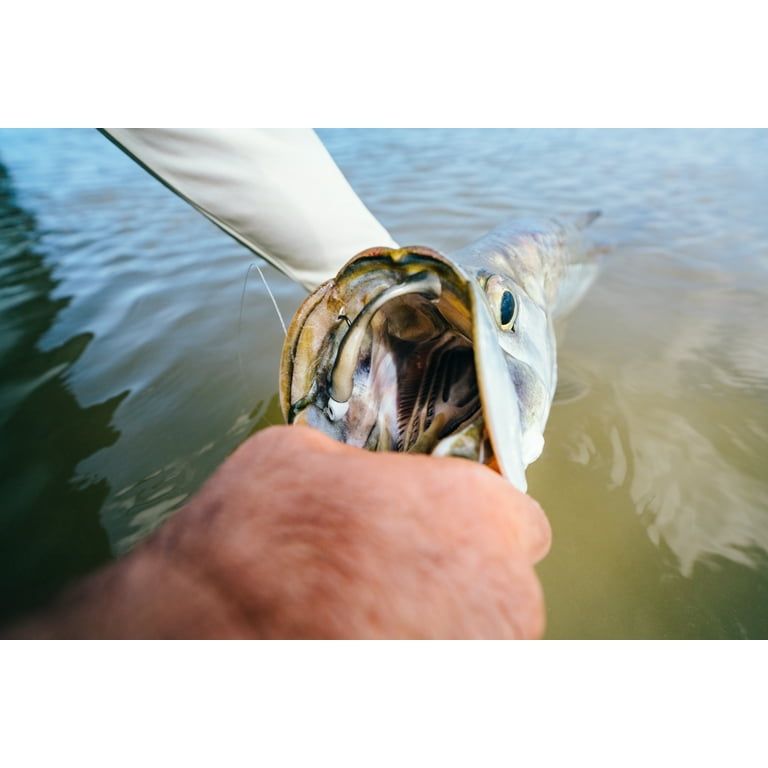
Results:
407 350
515 352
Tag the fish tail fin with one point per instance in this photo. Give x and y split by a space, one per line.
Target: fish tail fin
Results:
583 221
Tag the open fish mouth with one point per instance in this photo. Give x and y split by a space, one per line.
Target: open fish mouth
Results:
384 357
409 350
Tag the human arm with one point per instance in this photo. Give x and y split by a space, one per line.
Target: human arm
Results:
297 536
277 191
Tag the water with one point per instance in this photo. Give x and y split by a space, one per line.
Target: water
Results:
128 373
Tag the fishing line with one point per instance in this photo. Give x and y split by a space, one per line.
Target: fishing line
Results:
269 291
240 319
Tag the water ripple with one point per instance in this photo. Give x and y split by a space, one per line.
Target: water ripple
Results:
654 467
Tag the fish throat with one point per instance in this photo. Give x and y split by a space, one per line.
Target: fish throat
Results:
437 391
413 382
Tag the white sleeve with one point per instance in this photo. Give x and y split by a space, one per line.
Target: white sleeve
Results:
277 191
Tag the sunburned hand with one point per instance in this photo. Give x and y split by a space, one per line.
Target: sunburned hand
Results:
297 536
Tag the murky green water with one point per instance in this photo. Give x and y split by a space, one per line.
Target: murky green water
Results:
128 373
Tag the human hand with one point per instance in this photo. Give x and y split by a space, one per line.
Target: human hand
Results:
298 536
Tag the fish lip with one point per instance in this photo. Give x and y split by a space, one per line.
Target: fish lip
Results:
467 312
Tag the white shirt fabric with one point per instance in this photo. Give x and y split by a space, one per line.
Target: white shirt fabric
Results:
277 191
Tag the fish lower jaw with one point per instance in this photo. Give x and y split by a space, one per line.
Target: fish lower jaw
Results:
533 445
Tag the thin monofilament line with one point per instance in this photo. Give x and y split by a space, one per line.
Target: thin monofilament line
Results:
271 296
242 304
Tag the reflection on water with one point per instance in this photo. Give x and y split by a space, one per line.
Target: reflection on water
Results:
694 465
158 290
50 516
141 370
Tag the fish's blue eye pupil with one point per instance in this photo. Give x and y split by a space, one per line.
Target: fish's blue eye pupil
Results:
507 309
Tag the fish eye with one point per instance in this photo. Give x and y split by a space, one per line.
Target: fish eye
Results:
507 308
504 303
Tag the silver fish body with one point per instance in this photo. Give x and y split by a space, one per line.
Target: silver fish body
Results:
411 350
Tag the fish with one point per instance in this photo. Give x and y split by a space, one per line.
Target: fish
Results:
407 349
